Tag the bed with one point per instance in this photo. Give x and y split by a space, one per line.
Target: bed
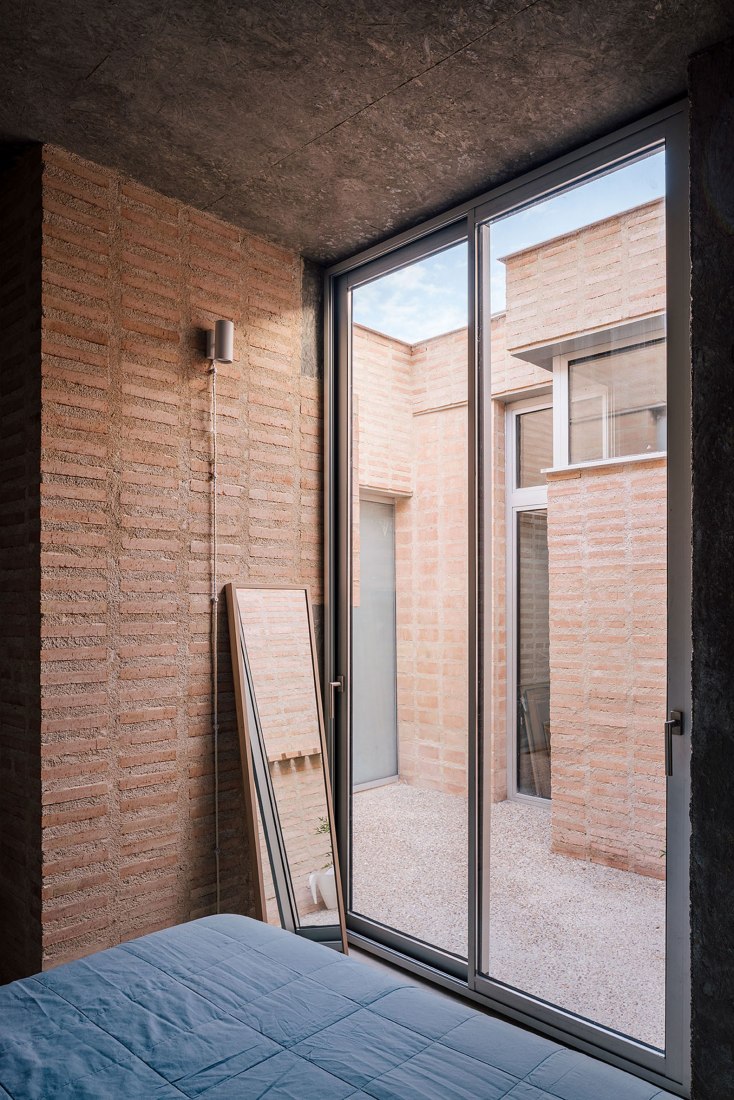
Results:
227 1007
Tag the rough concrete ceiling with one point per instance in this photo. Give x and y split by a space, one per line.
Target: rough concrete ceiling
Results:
327 125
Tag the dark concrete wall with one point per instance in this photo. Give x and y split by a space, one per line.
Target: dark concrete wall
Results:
20 639
328 127
712 775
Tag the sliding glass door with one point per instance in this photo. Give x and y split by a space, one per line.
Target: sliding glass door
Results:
508 641
406 781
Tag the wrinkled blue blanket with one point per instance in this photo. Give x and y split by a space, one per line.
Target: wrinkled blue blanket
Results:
227 1007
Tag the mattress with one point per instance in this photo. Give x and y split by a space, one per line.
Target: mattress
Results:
227 1007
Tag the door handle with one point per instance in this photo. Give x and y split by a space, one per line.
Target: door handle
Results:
673 724
334 686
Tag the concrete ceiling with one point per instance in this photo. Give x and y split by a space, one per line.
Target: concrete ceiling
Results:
327 125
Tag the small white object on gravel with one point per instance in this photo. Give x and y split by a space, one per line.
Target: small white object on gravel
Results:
588 938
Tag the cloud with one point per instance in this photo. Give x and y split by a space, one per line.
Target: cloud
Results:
417 302
429 297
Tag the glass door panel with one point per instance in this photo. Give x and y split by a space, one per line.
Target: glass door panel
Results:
502 626
409 603
575 892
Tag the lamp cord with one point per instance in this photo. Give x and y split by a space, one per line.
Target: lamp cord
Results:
215 626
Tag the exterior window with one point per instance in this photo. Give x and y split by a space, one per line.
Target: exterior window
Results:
616 403
534 446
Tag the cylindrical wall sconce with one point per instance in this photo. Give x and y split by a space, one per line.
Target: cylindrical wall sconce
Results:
220 342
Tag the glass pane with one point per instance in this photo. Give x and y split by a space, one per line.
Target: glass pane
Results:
533 658
617 402
409 601
534 446
576 616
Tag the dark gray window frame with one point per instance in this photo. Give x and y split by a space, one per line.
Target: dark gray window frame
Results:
470 222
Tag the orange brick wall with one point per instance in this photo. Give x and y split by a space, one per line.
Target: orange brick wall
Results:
431 571
20 444
383 404
606 540
129 279
427 430
410 431
603 274
497 779
510 375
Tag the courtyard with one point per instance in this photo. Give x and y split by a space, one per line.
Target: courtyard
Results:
577 934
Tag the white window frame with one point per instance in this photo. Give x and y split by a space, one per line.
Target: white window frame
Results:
533 498
562 405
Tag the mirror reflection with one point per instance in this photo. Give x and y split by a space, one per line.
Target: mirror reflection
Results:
299 876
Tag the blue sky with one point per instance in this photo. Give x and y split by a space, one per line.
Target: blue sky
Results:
429 297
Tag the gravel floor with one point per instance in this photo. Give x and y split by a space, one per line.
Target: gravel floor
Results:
588 938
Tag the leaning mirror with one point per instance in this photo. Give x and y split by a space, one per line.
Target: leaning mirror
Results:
284 764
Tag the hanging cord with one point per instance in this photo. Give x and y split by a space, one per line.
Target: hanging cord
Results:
215 623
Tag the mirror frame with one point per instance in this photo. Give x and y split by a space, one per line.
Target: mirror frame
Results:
252 756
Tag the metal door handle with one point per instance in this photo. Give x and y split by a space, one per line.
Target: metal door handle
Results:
334 686
674 724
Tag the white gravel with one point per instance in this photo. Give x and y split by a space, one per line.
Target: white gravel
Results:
588 938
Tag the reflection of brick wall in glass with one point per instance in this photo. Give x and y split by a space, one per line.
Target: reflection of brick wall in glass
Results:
410 442
617 401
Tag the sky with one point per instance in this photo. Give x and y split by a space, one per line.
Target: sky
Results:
430 297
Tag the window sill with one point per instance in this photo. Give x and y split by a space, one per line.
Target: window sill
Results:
604 463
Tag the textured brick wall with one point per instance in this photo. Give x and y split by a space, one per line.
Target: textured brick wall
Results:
383 403
510 375
497 779
427 430
129 279
431 570
20 442
608 789
431 566
606 541
410 433
605 273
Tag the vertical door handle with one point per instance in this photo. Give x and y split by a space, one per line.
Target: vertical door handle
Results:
334 686
674 724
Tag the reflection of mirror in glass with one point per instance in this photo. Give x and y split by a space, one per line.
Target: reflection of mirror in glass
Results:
277 638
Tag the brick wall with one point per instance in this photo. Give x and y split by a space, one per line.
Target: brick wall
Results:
607 786
20 443
129 279
410 431
431 570
606 542
603 274
424 431
510 375
383 403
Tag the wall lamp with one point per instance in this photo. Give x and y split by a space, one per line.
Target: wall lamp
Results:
220 342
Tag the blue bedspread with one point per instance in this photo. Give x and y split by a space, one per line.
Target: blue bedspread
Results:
226 1007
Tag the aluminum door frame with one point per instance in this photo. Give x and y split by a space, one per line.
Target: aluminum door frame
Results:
669 127
338 585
